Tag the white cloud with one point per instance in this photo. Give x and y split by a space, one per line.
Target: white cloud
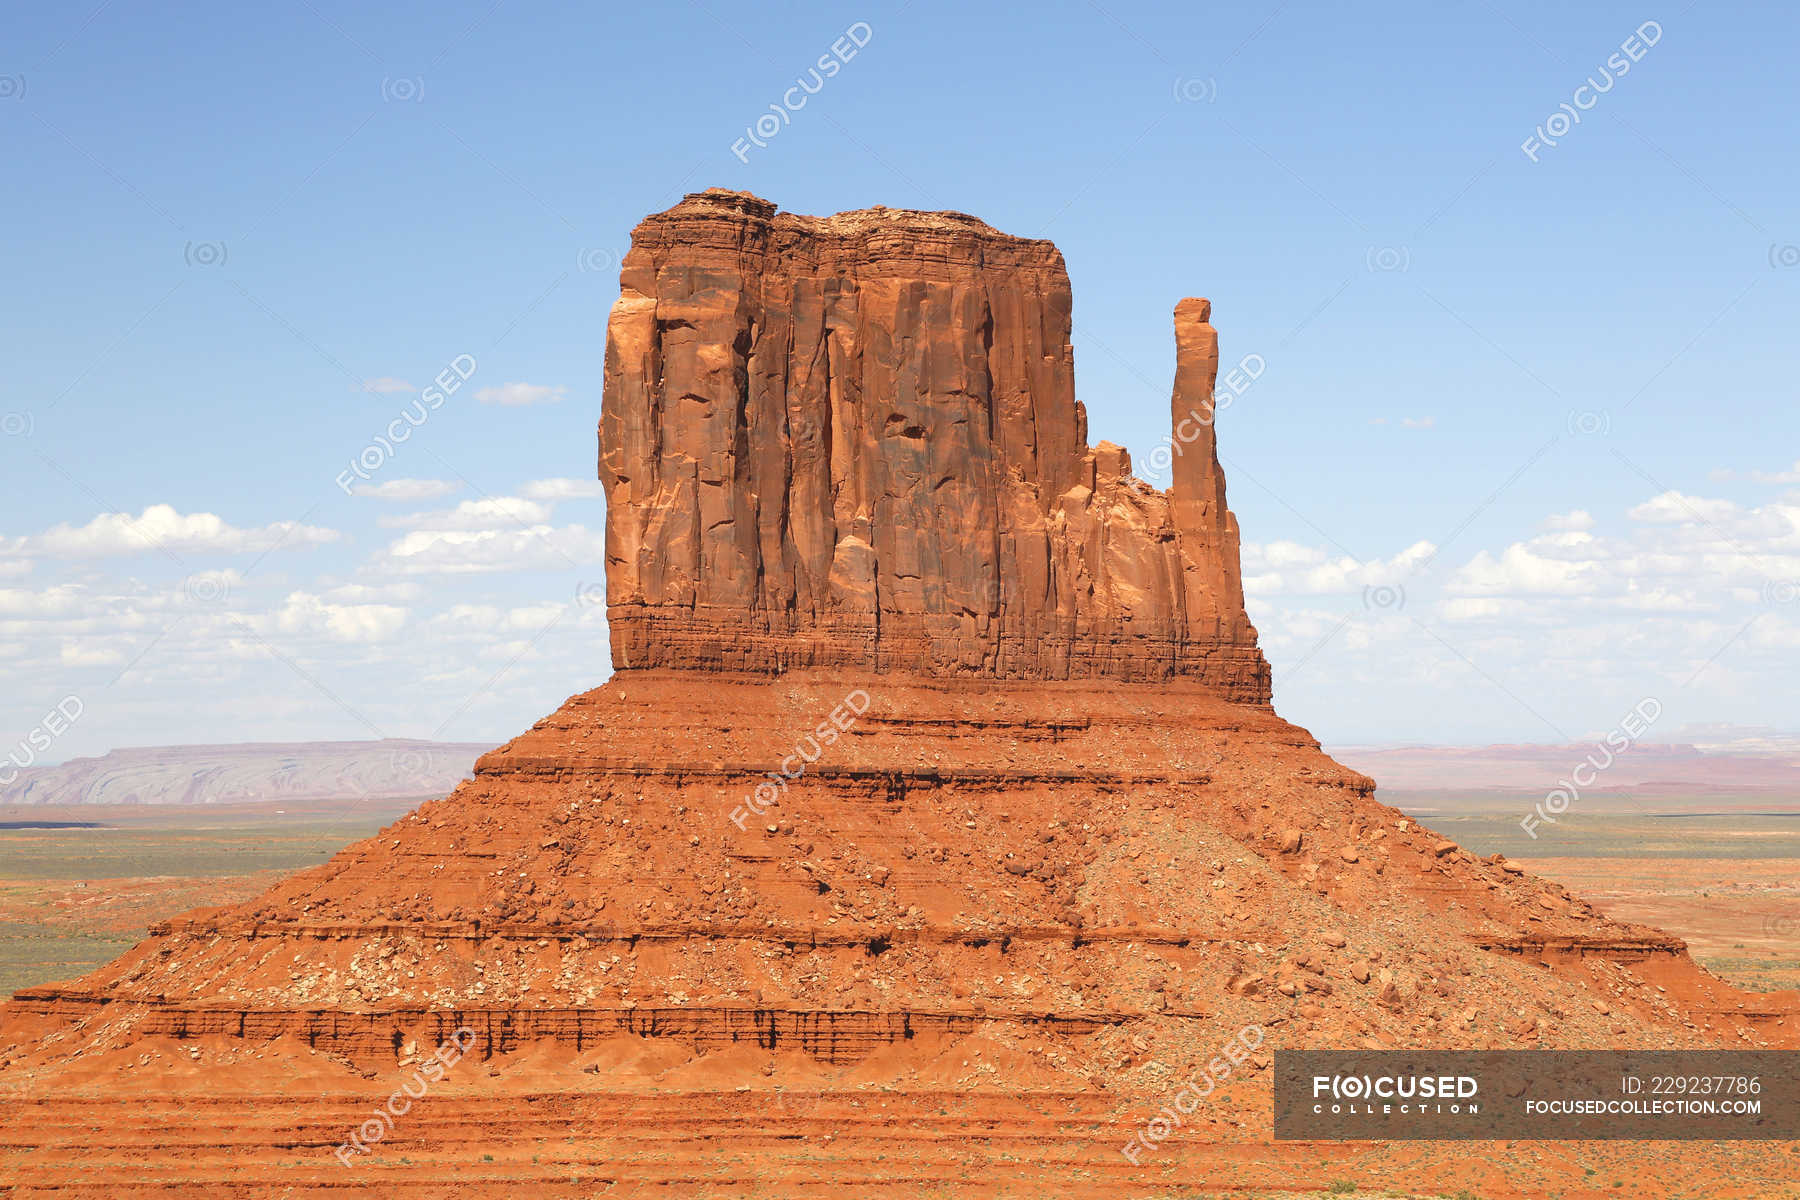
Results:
161 528
90 654
382 593
406 489
1725 475
489 618
463 552
492 512
1578 520
1463 608
562 489
210 587
1523 568
387 385
1417 422
1688 554
1673 507
514 395
59 601
304 614
1289 568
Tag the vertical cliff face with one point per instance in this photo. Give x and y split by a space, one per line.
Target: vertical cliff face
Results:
854 441
1208 532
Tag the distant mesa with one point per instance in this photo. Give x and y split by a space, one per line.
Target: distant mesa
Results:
391 769
1751 769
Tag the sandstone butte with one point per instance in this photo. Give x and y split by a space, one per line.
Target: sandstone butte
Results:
1044 846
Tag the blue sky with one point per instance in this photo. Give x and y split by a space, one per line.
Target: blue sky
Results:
1550 401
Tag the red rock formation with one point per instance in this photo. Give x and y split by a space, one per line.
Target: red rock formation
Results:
898 818
853 441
